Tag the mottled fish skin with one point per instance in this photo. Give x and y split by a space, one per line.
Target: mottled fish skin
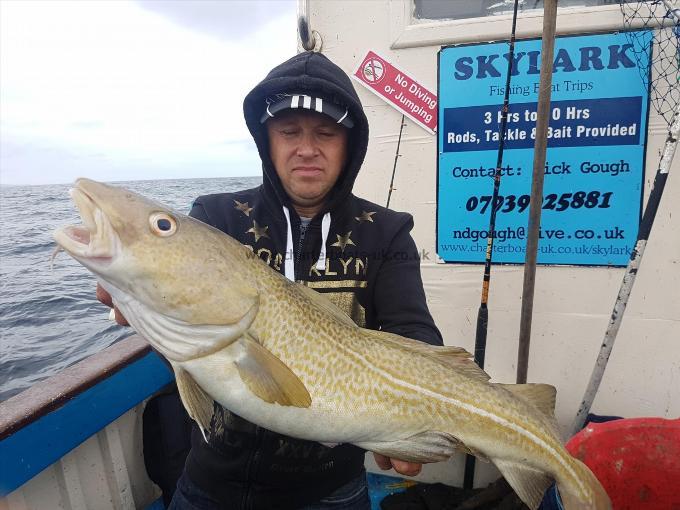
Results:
282 356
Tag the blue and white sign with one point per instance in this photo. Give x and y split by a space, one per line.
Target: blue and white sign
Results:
596 150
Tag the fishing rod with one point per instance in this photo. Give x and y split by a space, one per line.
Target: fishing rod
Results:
396 158
483 312
667 63
631 272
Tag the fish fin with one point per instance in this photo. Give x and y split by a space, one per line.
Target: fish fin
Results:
325 304
541 396
465 366
451 356
269 378
429 446
197 402
528 483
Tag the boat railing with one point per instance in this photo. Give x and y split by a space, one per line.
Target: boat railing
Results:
45 422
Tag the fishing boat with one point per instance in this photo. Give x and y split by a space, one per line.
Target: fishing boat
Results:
75 439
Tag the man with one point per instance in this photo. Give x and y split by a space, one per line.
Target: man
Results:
311 133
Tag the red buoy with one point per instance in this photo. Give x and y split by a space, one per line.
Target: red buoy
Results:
637 460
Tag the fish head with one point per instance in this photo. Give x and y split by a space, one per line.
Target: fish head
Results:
152 256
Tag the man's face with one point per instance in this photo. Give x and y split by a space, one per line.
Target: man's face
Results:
308 150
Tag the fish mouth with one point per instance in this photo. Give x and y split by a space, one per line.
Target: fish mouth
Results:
95 241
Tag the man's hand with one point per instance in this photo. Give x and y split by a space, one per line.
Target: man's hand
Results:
400 466
105 298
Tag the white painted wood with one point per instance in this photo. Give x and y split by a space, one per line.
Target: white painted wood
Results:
69 483
14 501
104 472
117 475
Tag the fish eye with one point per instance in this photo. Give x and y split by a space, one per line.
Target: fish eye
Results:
162 224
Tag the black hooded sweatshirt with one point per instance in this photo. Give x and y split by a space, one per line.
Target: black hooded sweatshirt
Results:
371 271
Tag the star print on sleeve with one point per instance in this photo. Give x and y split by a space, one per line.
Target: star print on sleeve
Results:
365 216
343 241
243 207
258 231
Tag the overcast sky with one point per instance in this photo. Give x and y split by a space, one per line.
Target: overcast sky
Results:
122 90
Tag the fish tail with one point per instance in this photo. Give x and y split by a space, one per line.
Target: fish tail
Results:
589 495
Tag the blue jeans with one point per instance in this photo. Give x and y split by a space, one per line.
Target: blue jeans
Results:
551 499
189 497
351 496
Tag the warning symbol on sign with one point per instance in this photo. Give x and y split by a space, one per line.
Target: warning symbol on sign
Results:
398 89
373 70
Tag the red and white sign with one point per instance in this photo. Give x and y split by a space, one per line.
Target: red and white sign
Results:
399 90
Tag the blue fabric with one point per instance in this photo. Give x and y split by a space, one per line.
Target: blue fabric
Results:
551 500
156 505
189 497
351 496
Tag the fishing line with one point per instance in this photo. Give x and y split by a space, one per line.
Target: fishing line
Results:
483 312
396 158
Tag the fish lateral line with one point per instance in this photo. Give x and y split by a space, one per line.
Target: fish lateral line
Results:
504 423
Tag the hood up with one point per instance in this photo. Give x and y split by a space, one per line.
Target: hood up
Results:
313 74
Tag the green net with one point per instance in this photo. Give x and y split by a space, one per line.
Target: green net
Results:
663 70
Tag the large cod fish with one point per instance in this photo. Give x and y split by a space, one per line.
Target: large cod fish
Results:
280 355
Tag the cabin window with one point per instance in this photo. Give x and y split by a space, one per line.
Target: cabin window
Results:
465 9
416 23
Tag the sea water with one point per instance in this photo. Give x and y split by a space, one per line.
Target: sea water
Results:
50 318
